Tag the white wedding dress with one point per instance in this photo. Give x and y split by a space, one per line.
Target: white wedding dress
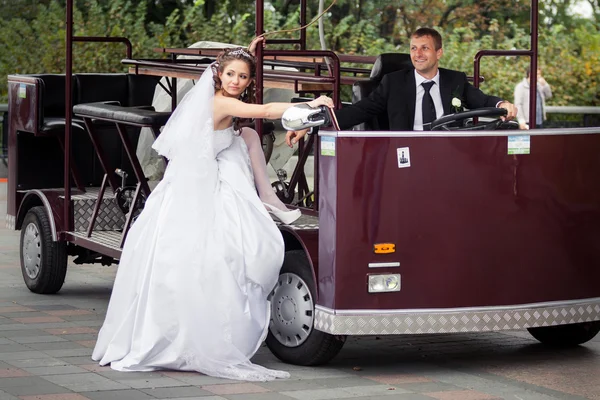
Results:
198 264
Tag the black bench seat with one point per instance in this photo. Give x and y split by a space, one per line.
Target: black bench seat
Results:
56 126
122 117
113 113
136 116
37 109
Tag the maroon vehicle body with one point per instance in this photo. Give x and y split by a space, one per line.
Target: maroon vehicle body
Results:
472 225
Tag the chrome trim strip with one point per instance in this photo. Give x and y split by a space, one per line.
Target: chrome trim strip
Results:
459 309
572 109
471 319
384 265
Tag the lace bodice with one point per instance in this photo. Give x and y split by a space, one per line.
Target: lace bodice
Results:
222 139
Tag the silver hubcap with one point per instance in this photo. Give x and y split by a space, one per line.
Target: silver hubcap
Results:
32 251
292 310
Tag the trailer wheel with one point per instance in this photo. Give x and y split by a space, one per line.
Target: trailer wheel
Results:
43 261
292 337
566 335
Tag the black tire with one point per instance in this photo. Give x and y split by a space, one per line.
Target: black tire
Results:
566 335
318 347
43 261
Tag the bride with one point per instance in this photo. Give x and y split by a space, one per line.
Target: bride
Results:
198 264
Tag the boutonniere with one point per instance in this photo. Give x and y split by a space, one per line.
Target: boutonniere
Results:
456 102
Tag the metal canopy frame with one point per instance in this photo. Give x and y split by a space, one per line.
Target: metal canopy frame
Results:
334 77
531 53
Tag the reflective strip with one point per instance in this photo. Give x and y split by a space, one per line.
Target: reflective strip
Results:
384 265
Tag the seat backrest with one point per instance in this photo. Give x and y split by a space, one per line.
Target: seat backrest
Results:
52 95
47 110
128 89
140 89
102 87
385 63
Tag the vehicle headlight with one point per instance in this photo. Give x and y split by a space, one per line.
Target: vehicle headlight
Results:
384 283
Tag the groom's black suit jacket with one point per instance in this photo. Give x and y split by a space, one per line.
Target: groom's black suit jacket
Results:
396 96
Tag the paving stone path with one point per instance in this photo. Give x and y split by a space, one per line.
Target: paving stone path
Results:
46 343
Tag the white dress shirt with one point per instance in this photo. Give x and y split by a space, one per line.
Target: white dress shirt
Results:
435 95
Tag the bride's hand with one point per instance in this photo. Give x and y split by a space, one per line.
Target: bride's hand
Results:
254 43
321 101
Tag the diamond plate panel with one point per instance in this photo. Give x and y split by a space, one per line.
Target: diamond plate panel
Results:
302 227
305 222
455 320
110 217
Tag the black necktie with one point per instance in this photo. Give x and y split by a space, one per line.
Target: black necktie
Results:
428 107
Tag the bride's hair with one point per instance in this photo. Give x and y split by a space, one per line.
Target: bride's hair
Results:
226 57
249 95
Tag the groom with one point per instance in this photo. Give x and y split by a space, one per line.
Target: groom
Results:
413 98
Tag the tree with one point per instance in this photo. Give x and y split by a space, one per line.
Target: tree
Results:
595 4
25 9
32 34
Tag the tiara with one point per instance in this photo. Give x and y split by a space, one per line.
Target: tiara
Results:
241 52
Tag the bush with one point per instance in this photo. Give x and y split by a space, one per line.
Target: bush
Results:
38 45
569 57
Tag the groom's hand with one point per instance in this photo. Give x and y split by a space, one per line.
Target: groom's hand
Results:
511 110
292 137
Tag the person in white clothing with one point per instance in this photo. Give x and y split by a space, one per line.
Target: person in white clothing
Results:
201 259
544 91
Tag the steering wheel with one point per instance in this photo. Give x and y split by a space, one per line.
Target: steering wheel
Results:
443 123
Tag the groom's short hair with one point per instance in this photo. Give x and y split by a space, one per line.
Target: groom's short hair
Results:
437 38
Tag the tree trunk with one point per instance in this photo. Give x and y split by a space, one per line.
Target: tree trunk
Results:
210 7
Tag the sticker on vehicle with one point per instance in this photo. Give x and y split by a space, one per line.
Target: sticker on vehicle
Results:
403 157
22 91
519 144
327 146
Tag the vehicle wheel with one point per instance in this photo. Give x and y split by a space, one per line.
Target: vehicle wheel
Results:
292 337
566 335
43 261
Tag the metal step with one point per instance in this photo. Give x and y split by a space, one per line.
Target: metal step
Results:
110 217
109 239
305 222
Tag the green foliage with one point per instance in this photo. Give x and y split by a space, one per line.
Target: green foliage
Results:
37 45
569 62
32 35
25 9
222 26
